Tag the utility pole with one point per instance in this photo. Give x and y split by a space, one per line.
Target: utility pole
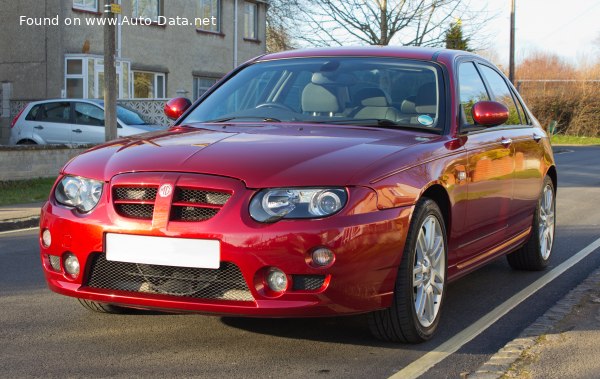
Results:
511 63
110 73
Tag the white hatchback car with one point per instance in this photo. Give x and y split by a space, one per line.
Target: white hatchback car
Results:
72 122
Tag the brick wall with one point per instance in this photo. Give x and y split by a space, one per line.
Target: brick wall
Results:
30 162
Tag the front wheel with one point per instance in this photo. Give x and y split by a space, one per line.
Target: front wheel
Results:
535 254
421 283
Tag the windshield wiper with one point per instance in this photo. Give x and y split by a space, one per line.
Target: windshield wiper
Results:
225 119
383 122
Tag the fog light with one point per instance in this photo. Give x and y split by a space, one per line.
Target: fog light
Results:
71 264
46 238
322 257
54 262
276 280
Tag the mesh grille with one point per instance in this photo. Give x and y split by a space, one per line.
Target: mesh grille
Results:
308 282
225 283
134 193
140 211
200 196
192 213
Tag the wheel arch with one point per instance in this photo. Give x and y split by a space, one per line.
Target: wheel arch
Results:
439 195
553 176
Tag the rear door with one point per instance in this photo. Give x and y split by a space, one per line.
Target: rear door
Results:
528 152
89 123
52 122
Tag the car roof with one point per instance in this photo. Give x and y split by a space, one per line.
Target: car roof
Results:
409 52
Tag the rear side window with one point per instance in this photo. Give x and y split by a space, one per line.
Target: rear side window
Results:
471 89
54 112
33 113
502 93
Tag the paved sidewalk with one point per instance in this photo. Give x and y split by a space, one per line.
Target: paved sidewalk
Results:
563 343
19 216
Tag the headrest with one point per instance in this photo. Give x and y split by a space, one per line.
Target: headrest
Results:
426 100
332 78
316 98
408 105
371 97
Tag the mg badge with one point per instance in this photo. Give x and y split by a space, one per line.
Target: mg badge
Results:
165 190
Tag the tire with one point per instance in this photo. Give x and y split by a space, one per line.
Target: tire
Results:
101 307
536 252
26 142
401 322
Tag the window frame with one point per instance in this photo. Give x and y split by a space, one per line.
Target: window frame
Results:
196 87
463 119
493 98
135 10
88 74
154 85
255 21
80 5
200 5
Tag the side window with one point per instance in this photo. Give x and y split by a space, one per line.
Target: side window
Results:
501 93
524 118
54 112
31 116
471 89
88 114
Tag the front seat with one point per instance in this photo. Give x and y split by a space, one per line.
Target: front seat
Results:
374 104
319 101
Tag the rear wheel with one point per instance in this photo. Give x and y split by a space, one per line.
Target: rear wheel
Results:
535 254
26 142
420 286
101 307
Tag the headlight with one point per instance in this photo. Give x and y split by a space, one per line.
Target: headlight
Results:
78 192
271 205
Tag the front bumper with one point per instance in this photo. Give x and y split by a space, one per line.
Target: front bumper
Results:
367 243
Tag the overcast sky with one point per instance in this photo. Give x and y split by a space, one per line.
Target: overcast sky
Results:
566 27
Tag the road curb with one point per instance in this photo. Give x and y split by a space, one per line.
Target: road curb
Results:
500 363
21 223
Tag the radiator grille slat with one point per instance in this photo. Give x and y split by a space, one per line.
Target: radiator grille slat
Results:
225 283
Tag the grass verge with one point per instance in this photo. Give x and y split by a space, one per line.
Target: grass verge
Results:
25 191
560 139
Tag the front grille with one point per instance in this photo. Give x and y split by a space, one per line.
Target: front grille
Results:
308 282
139 211
191 205
225 283
135 202
192 213
135 193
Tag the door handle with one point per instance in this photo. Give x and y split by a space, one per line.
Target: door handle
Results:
506 142
39 127
77 130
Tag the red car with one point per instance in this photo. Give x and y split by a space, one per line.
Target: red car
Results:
311 183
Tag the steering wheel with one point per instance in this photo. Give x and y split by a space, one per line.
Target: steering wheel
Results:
275 105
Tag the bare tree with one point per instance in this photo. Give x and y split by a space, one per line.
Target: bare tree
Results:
281 24
377 22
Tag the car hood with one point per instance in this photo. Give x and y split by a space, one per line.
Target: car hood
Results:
268 155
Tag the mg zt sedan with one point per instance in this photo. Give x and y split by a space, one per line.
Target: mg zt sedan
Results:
311 183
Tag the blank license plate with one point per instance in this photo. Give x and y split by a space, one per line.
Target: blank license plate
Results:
164 251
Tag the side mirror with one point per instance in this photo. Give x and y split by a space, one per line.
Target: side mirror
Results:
174 108
489 113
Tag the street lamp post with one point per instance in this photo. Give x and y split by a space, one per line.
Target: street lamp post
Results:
110 73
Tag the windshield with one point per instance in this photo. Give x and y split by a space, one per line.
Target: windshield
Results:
129 117
383 92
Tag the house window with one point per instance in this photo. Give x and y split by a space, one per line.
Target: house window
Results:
149 9
201 85
148 85
84 77
209 10
74 78
250 20
86 5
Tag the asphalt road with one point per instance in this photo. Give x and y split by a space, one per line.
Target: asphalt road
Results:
45 334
